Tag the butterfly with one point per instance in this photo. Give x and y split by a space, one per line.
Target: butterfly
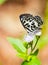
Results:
31 23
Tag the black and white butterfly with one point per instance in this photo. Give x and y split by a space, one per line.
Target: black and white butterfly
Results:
31 24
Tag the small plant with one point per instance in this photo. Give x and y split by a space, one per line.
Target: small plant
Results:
22 47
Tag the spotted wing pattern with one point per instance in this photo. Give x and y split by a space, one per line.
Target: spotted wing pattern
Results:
31 23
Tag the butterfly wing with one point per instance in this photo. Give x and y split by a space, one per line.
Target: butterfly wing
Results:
38 20
27 21
31 23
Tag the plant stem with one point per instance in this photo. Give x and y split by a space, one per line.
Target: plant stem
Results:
31 45
36 43
27 49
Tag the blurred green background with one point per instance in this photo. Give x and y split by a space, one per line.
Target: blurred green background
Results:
44 38
2 1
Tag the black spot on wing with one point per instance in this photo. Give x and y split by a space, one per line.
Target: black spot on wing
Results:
25 19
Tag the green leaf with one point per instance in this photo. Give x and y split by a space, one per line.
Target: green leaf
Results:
17 44
36 52
34 61
2 1
22 55
25 44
